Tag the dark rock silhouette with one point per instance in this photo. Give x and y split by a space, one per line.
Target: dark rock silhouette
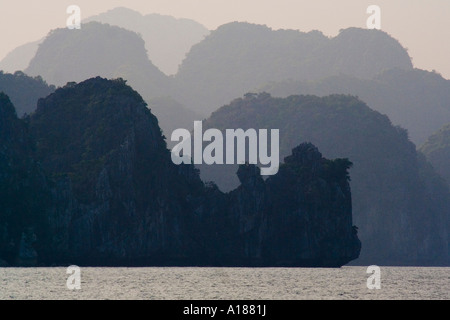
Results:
113 196
300 216
399 205
23 190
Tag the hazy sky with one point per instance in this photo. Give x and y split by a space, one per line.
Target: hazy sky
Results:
422 26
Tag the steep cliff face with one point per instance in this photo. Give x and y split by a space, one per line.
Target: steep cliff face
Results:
302 216
113 196
23 196
117 196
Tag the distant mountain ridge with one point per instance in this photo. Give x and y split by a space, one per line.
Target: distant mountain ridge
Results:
166 52
234 59
19 58
24 91
97 50
238 57
167 39
417 100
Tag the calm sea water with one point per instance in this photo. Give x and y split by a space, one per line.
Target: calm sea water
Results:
225 283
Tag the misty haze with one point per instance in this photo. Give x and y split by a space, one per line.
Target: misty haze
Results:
362 173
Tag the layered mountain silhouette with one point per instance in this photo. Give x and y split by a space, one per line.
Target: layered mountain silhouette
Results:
19 58
109 51
393 198
417 100
238 57
98 152
232 60
167 39
93 158
97 50
24 91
